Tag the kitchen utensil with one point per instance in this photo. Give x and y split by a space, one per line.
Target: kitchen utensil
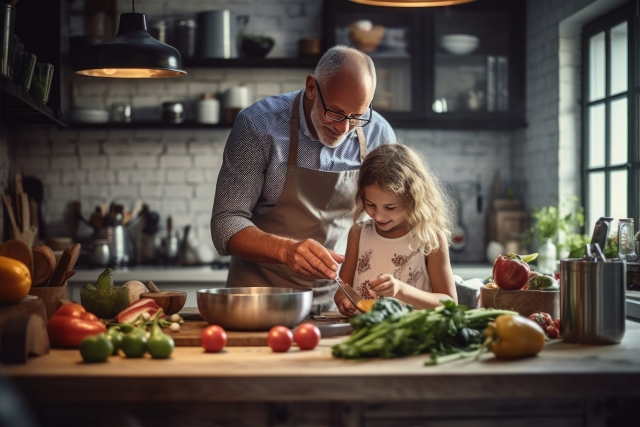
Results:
51 295
600 233
626 244
44 264
27 66
254 308
33 187
217 33
182 251
18 250
459 44
7 22
351 294
170 301
592 300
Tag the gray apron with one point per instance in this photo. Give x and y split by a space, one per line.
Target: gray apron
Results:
313 204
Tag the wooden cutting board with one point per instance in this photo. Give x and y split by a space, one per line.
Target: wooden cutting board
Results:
190 331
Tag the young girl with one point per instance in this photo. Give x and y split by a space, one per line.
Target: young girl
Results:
402 251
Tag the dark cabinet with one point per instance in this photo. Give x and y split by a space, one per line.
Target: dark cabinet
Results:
457 67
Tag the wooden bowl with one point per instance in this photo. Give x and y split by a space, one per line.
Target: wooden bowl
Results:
170 301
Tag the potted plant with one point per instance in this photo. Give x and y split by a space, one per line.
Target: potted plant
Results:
556 235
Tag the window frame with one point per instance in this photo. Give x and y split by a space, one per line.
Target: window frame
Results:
630 13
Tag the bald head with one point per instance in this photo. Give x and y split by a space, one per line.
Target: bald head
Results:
346 60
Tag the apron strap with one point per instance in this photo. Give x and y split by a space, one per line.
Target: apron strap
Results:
295 126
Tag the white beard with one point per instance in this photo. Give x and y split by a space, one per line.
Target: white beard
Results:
336 137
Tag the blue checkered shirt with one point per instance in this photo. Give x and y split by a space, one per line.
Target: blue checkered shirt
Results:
254 165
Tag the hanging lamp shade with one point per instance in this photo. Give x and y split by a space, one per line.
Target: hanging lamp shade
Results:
412 3
131 54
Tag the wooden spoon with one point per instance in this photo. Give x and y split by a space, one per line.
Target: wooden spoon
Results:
44 264
57 279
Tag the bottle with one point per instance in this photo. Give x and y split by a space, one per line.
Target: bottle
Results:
208 110
626 244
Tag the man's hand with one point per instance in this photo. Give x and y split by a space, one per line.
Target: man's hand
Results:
346 308
310 258
385 285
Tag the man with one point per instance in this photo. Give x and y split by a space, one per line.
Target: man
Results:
285 190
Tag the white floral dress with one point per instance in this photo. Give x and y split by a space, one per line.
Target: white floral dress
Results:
378 255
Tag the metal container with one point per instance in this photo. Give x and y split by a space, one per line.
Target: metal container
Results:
217 33
254 309
100 254
592 301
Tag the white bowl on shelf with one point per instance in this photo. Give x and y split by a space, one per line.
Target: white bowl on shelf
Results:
459 44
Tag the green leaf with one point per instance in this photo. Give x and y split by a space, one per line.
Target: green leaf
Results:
529 258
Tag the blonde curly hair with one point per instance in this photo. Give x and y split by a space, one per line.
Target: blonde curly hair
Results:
428 207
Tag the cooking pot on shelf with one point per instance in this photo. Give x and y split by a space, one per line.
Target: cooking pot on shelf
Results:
254 309
217 33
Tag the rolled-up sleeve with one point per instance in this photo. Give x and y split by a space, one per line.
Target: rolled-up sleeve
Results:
240 182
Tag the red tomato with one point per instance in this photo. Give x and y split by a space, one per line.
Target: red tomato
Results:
556 324
541 318
280 339
307 336
552 332
213 339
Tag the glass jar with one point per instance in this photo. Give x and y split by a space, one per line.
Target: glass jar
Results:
626 244
16 61
41 81
27 66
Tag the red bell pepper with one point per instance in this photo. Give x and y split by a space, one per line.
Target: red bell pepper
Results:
71 324
143 305
510 272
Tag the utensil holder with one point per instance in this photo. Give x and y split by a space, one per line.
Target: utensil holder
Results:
51 296
592 301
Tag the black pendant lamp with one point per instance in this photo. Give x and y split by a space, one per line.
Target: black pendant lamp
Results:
412 3
132 54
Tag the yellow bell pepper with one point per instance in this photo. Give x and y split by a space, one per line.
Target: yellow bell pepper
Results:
15 280
514 337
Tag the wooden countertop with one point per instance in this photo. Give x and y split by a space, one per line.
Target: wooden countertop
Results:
256 374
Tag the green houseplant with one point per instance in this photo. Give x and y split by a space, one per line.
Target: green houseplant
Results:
556 234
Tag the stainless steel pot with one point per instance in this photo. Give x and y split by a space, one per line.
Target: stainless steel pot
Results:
592 301
254 309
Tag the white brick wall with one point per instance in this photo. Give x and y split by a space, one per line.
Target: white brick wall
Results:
175 171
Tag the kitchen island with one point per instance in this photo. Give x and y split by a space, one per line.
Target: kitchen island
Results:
565 385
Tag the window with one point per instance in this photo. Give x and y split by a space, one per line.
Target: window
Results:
611 96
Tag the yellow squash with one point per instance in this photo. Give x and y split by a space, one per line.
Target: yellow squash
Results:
15 280
513 337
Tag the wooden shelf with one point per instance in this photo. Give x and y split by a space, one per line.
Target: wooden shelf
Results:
251 63
147 125
19 107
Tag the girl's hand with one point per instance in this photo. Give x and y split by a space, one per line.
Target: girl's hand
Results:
346 308
385 285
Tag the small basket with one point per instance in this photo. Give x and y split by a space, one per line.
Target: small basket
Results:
524 302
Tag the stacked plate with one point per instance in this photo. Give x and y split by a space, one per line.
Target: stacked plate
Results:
89 115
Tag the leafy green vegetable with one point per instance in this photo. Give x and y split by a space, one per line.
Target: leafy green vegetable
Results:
448 332
380 311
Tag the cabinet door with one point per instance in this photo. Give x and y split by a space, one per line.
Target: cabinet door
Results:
475 57
389 36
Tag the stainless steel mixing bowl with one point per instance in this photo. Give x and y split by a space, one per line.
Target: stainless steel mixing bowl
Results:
254 309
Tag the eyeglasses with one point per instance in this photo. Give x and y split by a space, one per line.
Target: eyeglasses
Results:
339 117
